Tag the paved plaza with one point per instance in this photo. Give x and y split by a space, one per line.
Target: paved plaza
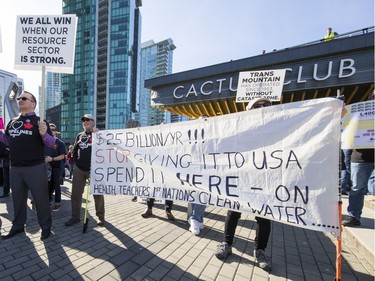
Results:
130 247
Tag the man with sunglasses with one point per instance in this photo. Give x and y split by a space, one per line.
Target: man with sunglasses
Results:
27 136
263 226
81 172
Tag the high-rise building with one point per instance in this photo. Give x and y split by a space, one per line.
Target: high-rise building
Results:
52 89
106 68
53 115
156 60
53 97
175 118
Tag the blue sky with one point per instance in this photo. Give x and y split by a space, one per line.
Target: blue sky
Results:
208 32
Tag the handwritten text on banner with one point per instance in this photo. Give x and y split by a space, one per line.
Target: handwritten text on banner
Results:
280 162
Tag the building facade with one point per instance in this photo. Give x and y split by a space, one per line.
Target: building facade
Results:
53 115
52 90
175 118
315 69
10 87
156 60
106 66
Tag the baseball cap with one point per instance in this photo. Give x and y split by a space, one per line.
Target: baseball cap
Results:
53 127
252 102
88 116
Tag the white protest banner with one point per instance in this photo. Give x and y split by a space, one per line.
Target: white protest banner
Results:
358 126
46 41
260 84
280 162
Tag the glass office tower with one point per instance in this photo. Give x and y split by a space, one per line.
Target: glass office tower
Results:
106 68
53 90
156 60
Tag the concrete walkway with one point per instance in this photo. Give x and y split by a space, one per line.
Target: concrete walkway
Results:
132 248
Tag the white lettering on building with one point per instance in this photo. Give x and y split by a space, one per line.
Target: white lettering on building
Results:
345 69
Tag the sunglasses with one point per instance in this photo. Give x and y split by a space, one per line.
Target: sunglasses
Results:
263 104
24 99
85 119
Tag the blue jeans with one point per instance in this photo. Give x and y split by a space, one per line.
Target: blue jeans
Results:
197 212
54 185
345 169
360 174
344 180
371 182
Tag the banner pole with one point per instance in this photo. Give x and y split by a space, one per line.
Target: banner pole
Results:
338 243
42 94
339 205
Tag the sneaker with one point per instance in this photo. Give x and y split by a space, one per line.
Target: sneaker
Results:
169 216
56 208
201 225
195 227
352 221
223 251
147 214
262 260
71 222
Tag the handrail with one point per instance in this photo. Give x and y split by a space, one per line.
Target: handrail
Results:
339 36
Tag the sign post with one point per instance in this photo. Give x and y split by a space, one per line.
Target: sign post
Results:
42 109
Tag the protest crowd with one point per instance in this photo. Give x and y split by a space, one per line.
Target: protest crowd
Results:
38 161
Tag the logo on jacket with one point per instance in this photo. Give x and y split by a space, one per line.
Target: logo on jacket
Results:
85 141
18 128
